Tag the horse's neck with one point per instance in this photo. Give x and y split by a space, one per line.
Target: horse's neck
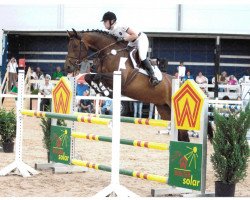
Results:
98 42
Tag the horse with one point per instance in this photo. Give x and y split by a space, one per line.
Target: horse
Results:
134 84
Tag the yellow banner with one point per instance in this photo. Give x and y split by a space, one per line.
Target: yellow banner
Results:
62 96
188 102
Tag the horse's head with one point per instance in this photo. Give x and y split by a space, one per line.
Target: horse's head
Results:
77 52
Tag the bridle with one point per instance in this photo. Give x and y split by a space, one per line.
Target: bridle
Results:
78 59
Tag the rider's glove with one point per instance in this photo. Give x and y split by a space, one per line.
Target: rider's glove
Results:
120 39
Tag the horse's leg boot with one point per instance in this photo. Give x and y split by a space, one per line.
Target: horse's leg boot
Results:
149 69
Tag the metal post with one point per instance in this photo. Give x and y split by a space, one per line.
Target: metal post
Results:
217 53
115 187
23 168
203 141
179 17
174 131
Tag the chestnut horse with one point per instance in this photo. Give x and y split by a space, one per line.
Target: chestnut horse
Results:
134 84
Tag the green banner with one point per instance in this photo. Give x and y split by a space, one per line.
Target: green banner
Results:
60 144
185 165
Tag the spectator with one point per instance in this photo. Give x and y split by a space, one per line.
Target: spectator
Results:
107 107
151 110
223 79
181 70
138 108
57 74
81 87
45 89
85 105
39 73
232 80
200 79
188 76
12 69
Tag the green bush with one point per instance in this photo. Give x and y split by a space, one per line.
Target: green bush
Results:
7 125
231 149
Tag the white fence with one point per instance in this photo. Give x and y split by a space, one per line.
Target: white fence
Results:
232 91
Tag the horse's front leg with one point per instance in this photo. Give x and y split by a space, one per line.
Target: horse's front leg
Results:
91 80
105 90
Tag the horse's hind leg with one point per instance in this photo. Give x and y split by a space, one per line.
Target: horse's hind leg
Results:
165 112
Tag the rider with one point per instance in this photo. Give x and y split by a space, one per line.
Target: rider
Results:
134 39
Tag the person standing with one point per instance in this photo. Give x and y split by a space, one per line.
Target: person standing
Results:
181 70
151 110
45 89
137 109
12 69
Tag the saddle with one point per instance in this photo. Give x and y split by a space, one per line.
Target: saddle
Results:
134 56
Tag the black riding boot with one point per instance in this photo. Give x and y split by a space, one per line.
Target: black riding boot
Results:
154 81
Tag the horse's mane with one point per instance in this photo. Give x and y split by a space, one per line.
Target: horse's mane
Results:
105 33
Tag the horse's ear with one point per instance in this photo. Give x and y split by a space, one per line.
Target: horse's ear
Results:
68 33
75 33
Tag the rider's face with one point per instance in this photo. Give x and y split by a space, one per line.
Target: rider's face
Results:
106 24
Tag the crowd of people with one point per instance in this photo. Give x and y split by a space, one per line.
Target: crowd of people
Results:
223 78
83 89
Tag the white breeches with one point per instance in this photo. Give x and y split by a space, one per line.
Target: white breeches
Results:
141 43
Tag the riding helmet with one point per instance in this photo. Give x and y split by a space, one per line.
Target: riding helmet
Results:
109 16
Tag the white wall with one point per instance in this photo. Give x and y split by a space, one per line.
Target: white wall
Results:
153 16
216 18
149 16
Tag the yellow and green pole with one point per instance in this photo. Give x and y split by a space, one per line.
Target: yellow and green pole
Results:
78 118
136 143
136 174
143 121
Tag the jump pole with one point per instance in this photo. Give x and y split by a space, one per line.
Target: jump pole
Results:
18 164
79 118
136 143
132 120
126 172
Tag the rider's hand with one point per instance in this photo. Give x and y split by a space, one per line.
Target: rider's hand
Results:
120 39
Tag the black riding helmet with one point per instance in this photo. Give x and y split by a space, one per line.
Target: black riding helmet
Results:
109 16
